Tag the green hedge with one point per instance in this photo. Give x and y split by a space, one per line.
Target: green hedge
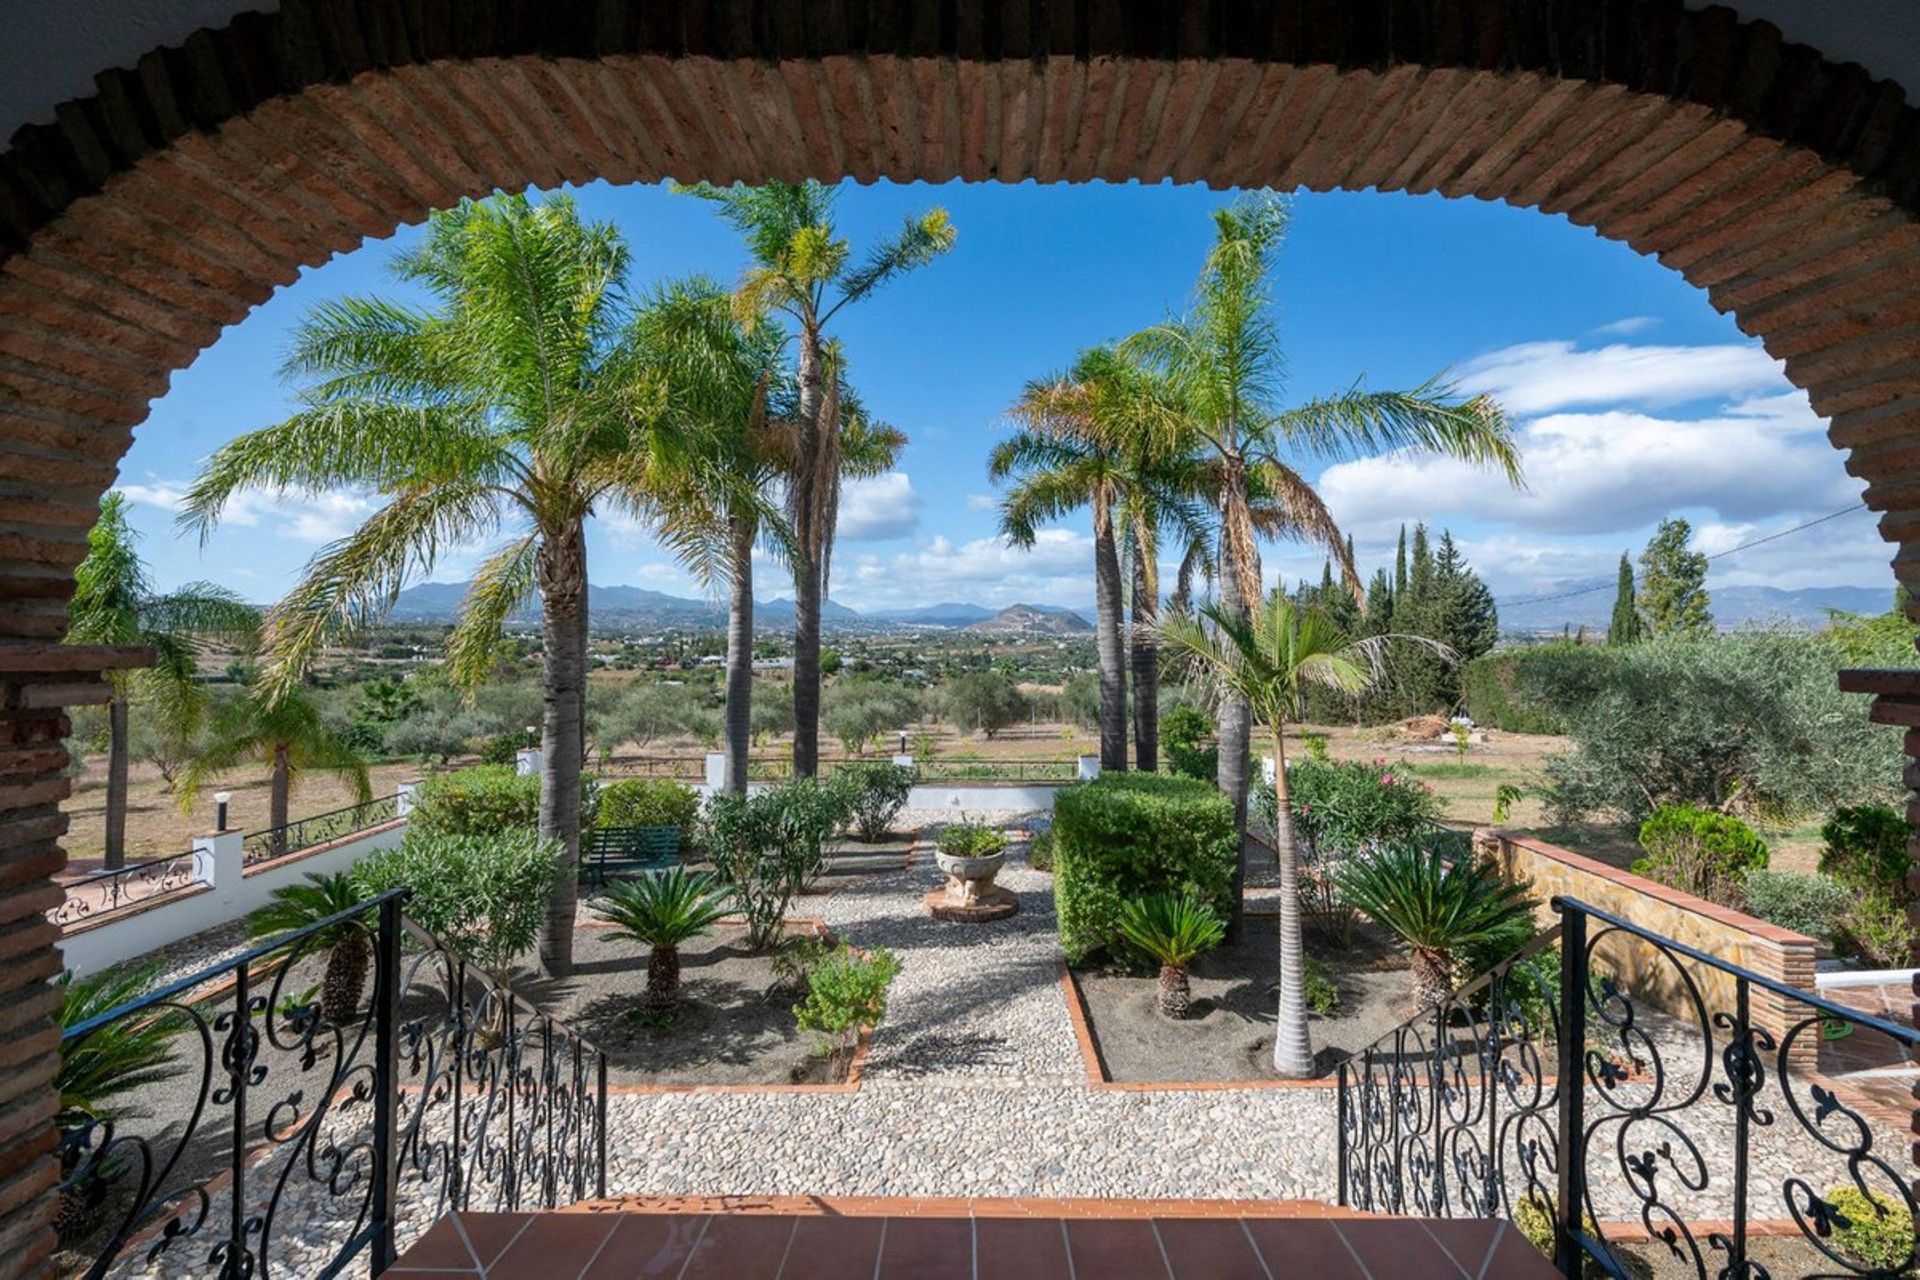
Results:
1131 834
650 802
1533 690
482 801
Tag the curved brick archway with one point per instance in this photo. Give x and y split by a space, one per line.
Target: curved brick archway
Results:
151 215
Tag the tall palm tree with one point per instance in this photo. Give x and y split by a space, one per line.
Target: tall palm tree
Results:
114 603
288 734
1224 360
805 271
1265 662
514 404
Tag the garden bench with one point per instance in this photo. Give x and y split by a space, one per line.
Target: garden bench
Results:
622 851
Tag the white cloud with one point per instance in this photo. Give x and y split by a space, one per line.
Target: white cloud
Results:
982 501
302 517
1627 326
626 531
879 508
1538 377
1057 569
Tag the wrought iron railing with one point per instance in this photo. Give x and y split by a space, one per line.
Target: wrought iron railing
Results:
321 1099
304 833
960 770
1598 1087
104 891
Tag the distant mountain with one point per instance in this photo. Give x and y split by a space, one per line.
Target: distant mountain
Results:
619 606
1732 607
1033 618
937 615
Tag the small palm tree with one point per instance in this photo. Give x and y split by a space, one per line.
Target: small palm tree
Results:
661 910
1266 663
113 603
1173 929
96 1073
349 949
1438 908
290 736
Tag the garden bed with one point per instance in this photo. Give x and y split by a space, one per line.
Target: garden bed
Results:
1230 1033
735 1024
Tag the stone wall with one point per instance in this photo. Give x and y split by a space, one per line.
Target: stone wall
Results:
1650 974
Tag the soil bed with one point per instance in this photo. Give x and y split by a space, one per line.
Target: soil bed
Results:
735 1023
1229 1035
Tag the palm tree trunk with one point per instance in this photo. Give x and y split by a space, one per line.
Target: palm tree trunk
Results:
740 657
1145 659
1107 606
1233 732
562 598
279 798
805 504
1292 1045
116 836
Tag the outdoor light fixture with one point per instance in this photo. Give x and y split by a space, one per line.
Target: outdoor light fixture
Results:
533 735
220 799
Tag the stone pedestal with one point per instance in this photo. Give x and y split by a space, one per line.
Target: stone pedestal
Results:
992 903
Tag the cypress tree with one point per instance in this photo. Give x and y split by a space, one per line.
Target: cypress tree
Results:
1673 582
1400 569
1625 626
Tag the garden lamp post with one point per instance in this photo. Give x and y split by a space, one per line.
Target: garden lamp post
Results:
220 801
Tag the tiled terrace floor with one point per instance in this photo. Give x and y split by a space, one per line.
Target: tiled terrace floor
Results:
963 1240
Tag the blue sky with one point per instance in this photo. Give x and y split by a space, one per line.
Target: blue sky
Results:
1632 397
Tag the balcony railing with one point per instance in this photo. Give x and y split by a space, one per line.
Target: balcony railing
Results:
312 1095
1588 1082
304 833
137 882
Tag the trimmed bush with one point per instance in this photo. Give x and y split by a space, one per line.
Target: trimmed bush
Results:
1532 690
1700 852
485 896
650 802
766 845
1876 1231
877 792
1875 929
480 801
1128 835
1866 849
1813 905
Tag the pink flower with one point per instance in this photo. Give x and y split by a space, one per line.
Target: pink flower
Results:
1379 759
1386 779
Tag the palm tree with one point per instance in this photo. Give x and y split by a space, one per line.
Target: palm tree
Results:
804 270
1173 929
114 604
661 910
289 735
518 402
1265 663
1224 362
349 947
1439 908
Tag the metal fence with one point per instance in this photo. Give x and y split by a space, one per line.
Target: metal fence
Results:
1557 1088
304 833
137 882
285 1111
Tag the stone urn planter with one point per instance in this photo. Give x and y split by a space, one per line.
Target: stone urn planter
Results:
970 855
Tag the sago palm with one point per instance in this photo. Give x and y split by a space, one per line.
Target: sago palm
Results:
114 603
1438 908
806 272
662 910
511 407
349 947
1224 361
290 737
1265 663
1173 930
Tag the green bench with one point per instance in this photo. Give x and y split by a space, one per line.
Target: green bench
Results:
625 851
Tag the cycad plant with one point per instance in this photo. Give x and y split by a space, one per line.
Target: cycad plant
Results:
96 1074
662 910
1440 909
349 949
1173 930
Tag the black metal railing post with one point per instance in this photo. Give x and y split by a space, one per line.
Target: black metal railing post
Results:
600 1124
1569 1152
239 1056
386 1085
1341 1179
1743 1070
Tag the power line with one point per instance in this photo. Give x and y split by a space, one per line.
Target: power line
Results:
1745 546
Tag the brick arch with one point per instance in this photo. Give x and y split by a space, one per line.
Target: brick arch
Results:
149 216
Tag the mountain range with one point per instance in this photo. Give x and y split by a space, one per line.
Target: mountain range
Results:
1732 607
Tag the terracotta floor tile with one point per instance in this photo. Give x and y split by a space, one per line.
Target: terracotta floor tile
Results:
1397 1247
408 1273
1019 1249
1469 1240
490 1233
833 1249
926 1249
554 1245
1209 1249
1115 1249
1515 1259
441 1248
750 1248
646 1246
1303 1249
